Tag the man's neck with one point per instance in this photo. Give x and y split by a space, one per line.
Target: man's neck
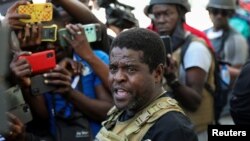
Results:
159 93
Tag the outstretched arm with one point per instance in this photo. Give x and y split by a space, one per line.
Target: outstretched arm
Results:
78 10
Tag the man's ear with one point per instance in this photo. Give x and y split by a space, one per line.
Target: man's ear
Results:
158 73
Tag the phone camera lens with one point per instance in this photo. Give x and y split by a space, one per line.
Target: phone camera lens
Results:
25 108
49 55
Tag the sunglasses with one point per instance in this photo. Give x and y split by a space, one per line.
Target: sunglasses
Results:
216 11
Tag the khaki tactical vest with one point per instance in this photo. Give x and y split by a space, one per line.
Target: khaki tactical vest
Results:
204 115
134 129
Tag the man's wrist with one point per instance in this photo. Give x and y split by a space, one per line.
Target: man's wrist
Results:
172 81
67 94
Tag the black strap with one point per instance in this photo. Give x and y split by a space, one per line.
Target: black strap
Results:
73 111
61 113
220 54
184 48
79 84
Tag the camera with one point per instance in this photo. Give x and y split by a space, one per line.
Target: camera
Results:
119 14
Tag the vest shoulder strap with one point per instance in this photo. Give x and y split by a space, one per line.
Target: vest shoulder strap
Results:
152 113
141 122
113 115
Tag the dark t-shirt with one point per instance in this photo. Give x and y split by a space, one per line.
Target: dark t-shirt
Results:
173 126
240 102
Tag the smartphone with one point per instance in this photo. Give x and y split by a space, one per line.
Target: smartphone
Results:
167 43
41 61
38 12
22 112
92 32
38 86
16 104
49 33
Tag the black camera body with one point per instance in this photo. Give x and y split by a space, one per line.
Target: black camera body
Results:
119 14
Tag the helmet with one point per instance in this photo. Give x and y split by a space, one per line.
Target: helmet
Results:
183 3
222 4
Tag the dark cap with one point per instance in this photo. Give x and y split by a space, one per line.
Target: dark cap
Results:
182 3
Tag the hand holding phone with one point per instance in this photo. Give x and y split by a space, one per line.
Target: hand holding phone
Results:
38 86
92 33
41 61
38 12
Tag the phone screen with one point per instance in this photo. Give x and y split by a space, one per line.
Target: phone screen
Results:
63 32
49 33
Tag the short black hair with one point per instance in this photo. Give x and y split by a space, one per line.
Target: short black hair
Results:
140 39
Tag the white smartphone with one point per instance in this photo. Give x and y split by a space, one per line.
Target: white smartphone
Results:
16 104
